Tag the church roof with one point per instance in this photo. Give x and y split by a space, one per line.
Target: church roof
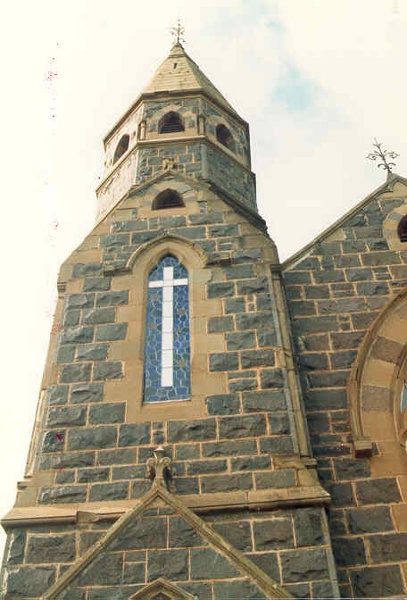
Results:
182 78
178 72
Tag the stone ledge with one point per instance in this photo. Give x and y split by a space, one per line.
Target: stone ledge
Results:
100 511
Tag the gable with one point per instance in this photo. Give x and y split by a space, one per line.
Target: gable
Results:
161 538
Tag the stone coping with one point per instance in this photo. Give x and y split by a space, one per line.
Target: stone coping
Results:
111 510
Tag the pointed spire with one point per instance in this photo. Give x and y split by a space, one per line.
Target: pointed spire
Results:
179 73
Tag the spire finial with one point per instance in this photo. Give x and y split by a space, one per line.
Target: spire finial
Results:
383 155
178 32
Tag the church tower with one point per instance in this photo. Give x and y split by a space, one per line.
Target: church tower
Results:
170 457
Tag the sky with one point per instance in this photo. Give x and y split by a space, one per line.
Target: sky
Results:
316 81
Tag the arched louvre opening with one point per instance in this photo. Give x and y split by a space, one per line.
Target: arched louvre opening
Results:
121 148
171 123
167 333
402 229
167 199
224 136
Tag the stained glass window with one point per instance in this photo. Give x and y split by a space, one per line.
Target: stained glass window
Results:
167 344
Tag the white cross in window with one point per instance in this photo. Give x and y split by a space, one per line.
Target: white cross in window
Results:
167 336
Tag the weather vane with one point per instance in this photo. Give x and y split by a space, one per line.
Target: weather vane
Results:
178 33
383 155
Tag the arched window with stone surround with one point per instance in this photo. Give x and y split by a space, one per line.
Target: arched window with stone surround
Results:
402 229
121 147
224 136
167 199
171 122
167 333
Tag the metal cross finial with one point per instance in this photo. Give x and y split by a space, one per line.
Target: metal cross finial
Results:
383 155
178 33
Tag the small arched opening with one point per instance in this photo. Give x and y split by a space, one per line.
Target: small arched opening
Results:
402 229
121 148
171 122
167 199
224 136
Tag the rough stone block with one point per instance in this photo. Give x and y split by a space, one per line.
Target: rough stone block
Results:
77 335
16 550
221 290
206 466
134 434
251 463
279 423
182 535
265 401
223 361
95 437
80 301
308 527
370 520
107 413
304 565
91 392
108 370
75 373
197 430
226 483
25 582
97 284
351 468
275 479
92 475
220 324
255 320
349 551
63 494
112 298
208 564
69 416
241 340
256 358
242 426
57 394
273 534
253 286
235 305
105 570
378 491
377 582
117 331
95 316
389 547
66 354
231 448
109 491
89 352
342 494
223 404
172 564
51 549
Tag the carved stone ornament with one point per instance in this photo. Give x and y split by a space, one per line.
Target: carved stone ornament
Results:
160 471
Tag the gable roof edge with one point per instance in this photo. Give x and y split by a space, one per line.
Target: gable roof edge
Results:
387 186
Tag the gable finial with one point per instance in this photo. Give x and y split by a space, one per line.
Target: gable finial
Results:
178 32
383 155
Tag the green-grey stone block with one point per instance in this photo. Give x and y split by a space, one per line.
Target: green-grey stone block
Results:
221 290
251 463
117 457
226 483
25 582
130 472
104 570
182 535
250 255
349 552
257 358
279 423
378 491
272 378
223 404
209 564
64 477
97 284
206 466
172 564
134 572
63 494
90 392
253 286
71 318
16 550
95 437
145 533
242 426
53 441
238 533
88 352
87 270
223 361
112 298
240 340
308 527
108 370
232 231
377 582
220 324
75 373
235 305
134 434
77 335
67 460
237 590
107 413
95 316
255 320
281 444
275 479
117 239
51 549
57 394
109 491
229 448
80 301
194 430
111 332
187 451
304 565
240 385
370 520
264 401
66 354
60 416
